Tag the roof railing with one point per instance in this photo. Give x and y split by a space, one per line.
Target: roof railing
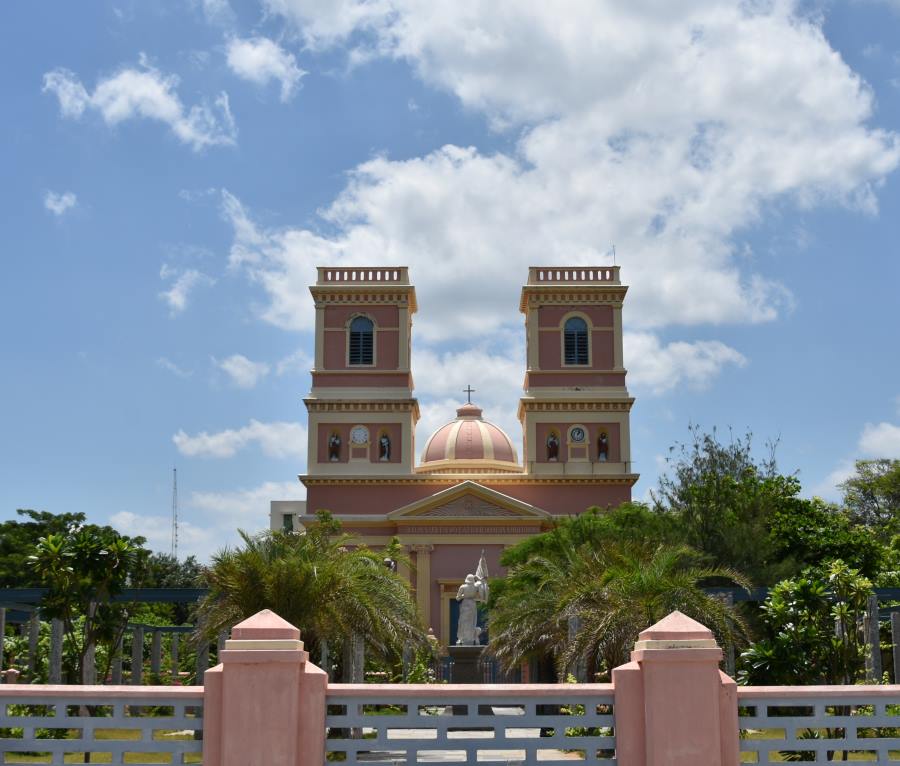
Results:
363 275
555 275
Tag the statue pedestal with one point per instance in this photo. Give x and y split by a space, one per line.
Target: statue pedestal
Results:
466 665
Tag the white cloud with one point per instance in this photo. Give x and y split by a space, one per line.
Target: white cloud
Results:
145 93
218 11
664 129
168 364
829 487
261 60
243 372
59 203
277 439
880 440
158 531
300 361
208 521
183 284
660 368
251 505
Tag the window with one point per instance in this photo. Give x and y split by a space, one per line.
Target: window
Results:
575 339
287 522
362 337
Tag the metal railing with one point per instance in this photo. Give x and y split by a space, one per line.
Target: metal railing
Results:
464 723
820 724
147 724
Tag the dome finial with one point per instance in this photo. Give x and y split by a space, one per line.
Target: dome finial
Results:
468 390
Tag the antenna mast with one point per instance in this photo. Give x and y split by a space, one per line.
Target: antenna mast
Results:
175 513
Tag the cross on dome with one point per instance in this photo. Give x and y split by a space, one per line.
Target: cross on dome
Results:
468 390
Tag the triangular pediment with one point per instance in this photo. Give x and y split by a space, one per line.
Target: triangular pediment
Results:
469 500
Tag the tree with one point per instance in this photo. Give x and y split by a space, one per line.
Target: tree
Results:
83 570
722 498
18 539
627 523
872 496
814 533
322 581
161 570
811 630
591 602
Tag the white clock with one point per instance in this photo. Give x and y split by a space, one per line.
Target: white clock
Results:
577 434
359 435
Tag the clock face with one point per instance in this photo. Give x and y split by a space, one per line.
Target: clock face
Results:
359 435
577 434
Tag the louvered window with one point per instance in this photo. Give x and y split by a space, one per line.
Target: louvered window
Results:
576 341
362 338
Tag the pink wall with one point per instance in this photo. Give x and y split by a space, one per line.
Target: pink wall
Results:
343 430
593 434
535 379
456 561
352 380
383 316
602 351
375 498
325 431
552 316
387 350
393 431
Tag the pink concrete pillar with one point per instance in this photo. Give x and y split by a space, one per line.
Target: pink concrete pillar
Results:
673 706
264 704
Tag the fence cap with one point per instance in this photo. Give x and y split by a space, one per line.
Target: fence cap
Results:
676 627
264 625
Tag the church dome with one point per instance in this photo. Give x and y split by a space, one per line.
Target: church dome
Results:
469 444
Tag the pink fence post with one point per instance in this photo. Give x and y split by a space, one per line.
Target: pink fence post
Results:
264 704
673 706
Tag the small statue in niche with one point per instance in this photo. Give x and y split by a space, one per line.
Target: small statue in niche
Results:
603 448
334 448
552 447
384 448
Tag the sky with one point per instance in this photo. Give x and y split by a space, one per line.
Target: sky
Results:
173 172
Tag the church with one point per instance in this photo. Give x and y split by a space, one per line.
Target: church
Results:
469 491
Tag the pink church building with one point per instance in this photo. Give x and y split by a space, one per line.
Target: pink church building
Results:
472 488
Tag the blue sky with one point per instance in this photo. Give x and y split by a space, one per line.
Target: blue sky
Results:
173 172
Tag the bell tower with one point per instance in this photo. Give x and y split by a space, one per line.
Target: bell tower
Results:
575 408
362 413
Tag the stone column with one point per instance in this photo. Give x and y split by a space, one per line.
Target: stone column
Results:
156 653
674 707
89 672
137 655
56 651
116 664
895 640
423 580
264 704
873 639
173 654
34 636
202 661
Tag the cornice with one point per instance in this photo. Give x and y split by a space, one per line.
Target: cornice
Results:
367 405
364 294
567 405
628 479
534 296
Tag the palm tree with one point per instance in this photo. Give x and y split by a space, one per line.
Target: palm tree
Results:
591 602
322 581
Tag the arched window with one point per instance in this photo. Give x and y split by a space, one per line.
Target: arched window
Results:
362 340
575 339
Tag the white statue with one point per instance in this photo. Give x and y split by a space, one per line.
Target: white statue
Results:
471 593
